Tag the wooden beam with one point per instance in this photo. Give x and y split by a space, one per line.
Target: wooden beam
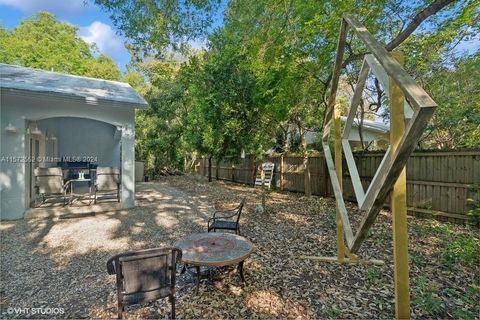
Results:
342 38
346 260
338 169
383 78
357 97
353 170
393 162
327 122
383 181
347 228
399 205
406 83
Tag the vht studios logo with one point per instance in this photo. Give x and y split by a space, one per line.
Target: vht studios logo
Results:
32 311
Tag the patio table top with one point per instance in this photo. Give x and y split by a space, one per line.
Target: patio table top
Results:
214 249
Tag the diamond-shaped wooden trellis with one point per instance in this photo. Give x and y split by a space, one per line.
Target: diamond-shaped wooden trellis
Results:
391 166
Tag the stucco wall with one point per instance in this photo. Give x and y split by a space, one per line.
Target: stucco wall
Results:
80 137
19 107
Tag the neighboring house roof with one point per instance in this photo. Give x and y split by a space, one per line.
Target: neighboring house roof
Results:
36 80
375 126
372 130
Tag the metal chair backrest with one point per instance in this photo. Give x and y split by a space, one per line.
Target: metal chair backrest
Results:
108 178
145 275
49 180
239 209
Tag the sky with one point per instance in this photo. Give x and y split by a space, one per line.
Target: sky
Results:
95 25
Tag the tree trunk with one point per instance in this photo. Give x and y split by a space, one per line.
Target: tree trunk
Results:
308 186
306 167
254 173
360 125
210 169
282 166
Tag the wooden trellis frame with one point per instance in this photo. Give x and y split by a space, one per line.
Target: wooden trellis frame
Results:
391 166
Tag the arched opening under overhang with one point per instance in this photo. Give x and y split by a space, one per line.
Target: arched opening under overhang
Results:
78 145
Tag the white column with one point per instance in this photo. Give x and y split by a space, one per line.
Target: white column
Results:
13 188
127 195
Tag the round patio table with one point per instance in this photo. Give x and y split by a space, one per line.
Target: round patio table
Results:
214 249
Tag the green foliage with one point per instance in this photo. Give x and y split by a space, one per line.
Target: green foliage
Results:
431 227
382 236
468 298
461 249
425 297
43 42
102 67
415 259
268 70
136 80
371 274
455 89
158 26
429 302
330 220
473 205
159 129
332 312
455 248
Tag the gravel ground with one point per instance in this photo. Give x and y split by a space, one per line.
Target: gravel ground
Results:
60 264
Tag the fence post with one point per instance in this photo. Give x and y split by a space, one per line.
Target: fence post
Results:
281 172
254 171
326 183
306 174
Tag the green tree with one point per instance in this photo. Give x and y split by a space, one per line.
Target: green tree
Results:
159 129
223 96
43 42
102 67
155 27
268 68
456 122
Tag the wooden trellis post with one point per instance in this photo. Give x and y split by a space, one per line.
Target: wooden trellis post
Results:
338 169
399 203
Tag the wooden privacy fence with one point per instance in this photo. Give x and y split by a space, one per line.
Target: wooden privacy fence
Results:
438 183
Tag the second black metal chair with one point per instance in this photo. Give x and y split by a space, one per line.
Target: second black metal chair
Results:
226 219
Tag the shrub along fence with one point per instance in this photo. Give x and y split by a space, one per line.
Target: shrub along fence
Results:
438 183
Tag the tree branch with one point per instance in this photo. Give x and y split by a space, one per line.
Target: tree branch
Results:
430 10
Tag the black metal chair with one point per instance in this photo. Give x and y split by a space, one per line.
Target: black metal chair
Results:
226 220
145 275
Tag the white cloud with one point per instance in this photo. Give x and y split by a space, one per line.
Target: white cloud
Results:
103 36
54 6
